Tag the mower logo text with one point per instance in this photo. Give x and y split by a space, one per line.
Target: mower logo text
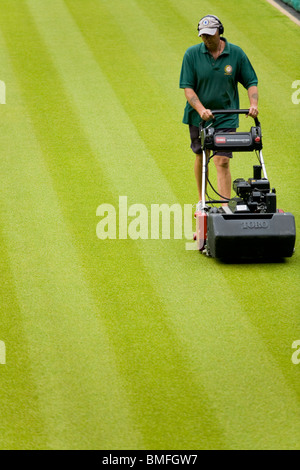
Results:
220 140
2 353
255 224
296 355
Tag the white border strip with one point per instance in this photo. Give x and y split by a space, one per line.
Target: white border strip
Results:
285 12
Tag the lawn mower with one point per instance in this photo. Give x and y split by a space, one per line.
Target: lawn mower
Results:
249 225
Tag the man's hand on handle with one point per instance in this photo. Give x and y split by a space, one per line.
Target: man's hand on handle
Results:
206 114
253 112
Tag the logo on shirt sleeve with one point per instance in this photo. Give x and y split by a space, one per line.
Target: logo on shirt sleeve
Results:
228 70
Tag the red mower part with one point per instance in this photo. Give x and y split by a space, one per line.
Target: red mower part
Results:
201 229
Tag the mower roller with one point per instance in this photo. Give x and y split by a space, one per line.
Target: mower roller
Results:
249 225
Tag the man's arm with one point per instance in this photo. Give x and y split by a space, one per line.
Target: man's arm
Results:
194 101
253 99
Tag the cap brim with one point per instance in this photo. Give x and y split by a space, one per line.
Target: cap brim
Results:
210 31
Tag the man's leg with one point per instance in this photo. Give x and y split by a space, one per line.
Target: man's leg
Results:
196 147
222 164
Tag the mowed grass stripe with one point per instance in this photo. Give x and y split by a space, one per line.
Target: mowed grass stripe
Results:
62 332
134 316
269 395
140 32
273 303
133 57
17 381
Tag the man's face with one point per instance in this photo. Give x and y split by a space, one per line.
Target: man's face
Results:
211 42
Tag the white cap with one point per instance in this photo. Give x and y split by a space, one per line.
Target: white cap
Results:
208 25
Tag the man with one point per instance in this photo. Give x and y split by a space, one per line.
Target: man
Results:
210 75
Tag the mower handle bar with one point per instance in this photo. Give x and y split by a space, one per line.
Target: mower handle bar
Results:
232 111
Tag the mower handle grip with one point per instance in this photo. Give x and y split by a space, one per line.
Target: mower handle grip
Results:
231 111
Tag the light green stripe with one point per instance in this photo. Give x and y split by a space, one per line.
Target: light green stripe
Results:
139 31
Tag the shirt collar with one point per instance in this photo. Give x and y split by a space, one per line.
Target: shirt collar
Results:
226 50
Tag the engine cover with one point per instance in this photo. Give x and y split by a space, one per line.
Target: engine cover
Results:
251 235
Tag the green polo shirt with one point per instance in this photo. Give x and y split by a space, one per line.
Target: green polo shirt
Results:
216 81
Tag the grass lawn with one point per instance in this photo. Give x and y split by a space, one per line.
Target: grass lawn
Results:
136 344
